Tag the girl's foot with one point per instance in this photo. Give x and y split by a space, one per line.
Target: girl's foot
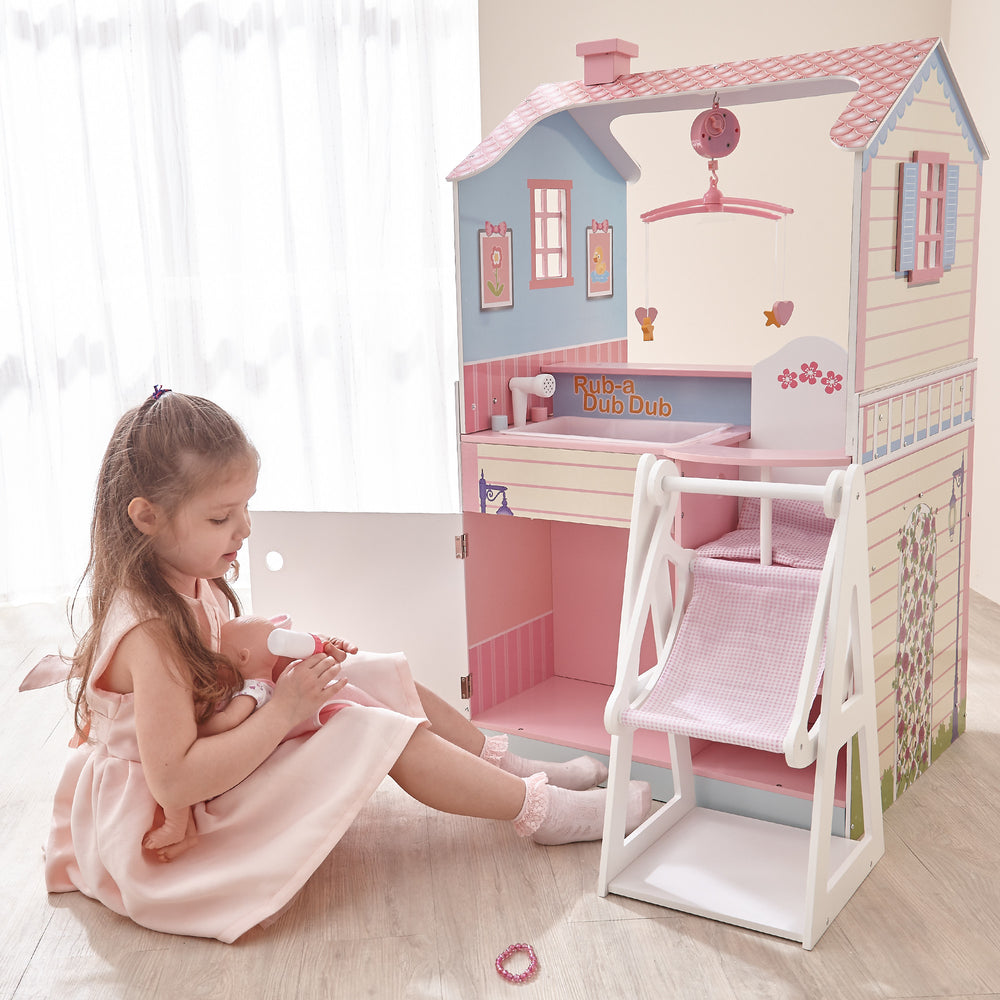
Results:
578 774
553 815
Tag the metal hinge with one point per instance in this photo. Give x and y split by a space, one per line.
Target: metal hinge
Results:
462 546
466 686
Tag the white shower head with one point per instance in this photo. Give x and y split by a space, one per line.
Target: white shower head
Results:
541 384
538 385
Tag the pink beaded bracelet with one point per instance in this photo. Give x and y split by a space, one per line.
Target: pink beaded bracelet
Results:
518 977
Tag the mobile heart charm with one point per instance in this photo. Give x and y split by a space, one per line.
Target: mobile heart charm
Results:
645 318
779 314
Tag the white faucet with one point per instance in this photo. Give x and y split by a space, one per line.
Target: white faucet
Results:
538 385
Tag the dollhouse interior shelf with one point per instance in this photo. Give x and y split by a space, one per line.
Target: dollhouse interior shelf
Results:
570 712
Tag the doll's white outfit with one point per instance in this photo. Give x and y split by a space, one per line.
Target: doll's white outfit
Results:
259 842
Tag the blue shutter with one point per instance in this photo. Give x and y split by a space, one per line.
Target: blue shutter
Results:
951 216
906 226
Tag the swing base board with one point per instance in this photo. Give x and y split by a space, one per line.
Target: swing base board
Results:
736 869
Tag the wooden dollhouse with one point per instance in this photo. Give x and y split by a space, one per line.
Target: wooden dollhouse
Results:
526 602
904 393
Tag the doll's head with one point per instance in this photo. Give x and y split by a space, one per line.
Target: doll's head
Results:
244 644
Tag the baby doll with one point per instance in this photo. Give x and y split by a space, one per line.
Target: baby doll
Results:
261 649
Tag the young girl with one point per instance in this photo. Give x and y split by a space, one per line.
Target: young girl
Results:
170 517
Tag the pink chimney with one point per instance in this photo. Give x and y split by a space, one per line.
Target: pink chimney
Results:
606 60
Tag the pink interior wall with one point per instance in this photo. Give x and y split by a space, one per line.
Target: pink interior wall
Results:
508 587
509 663
705 518
588 576
508 577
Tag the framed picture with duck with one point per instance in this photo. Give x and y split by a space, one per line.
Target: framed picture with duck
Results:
600 261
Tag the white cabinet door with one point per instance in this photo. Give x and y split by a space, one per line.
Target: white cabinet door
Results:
387 582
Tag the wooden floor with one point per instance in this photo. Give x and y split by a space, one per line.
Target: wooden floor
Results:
417 904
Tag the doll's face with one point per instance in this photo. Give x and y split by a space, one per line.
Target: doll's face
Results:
244 643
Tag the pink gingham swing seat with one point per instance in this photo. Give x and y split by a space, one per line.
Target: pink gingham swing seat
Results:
734 678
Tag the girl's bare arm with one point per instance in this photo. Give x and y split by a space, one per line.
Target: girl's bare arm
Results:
183 768
239 709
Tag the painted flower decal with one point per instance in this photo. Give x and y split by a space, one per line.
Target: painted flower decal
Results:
810 372
832 382
913 674
496 258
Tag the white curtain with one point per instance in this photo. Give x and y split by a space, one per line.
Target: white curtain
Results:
242 200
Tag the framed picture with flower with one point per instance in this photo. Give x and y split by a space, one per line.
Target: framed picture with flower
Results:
496 289
600 262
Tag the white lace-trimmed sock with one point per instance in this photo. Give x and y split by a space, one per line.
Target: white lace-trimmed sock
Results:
578 774
552 815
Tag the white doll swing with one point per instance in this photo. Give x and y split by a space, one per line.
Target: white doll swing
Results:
742 650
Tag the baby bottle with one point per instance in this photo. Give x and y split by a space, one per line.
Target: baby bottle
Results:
296 645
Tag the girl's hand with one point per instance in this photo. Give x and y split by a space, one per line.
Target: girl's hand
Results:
307 685
339 648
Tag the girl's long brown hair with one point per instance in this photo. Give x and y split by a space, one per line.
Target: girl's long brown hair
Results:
167 450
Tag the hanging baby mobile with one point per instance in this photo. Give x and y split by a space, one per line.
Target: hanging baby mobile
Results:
715 133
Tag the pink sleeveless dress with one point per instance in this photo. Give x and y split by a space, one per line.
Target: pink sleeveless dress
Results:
258 842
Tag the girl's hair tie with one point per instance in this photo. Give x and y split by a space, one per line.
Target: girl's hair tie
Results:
158 391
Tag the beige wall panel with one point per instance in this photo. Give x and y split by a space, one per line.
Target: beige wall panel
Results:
580 508
881 262
894 290
930 113
589 487
923 312
889 367
968 193
563 456
928 118
882 230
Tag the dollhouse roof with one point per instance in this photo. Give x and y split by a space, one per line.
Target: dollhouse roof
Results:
877 75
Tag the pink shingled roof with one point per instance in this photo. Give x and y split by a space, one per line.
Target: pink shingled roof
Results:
882 73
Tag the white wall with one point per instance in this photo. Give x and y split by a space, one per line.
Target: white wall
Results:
524 43
973 46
